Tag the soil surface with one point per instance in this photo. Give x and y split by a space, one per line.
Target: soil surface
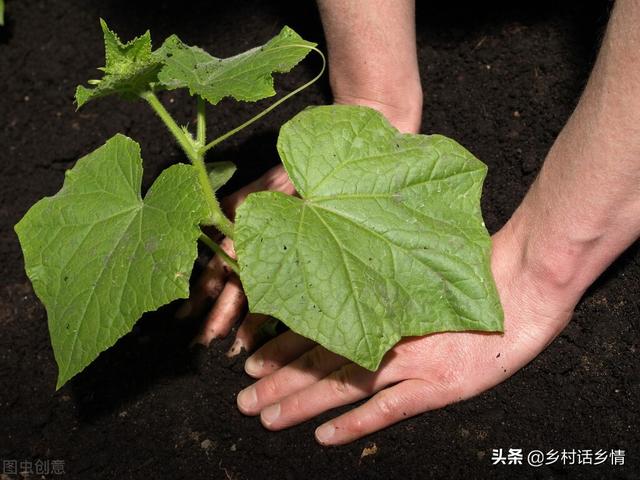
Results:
500 78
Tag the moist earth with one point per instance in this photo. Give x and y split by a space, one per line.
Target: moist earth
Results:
500 77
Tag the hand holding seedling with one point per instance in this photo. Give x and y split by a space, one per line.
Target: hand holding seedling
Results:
375 207
582 211
385 239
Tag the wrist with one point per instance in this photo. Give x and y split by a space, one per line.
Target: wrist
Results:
399 98
549 260
373 58
561 256
404 114
529 285
583 209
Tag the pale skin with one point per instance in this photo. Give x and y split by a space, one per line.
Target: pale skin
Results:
581 212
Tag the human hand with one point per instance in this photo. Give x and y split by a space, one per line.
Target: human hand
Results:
219 284
299 380
555 245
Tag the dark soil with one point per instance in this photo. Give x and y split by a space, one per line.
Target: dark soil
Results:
500 78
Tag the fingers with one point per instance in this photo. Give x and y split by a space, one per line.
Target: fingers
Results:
277 353
215 281
209 285
348 384
313 365
387 407
275 180
248 333
224 313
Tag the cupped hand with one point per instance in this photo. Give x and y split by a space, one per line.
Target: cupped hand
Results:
220 285
297 379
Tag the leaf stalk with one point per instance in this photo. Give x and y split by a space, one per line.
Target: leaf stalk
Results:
271 107
218 250
190 148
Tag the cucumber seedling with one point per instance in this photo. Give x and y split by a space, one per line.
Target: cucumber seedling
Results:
385 239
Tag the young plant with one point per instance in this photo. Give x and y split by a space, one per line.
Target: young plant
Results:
385 240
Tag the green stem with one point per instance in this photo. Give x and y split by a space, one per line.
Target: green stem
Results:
201 136
221 138
217 249
218 218
183 140
190 148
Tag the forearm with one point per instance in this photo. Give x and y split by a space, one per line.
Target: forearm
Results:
372 57
583 210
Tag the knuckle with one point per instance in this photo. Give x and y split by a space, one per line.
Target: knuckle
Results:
295 407
212 287
275 348
340 382
386 406
276 179
270 387
313 358
447 366
448 377
235 295
355 426
408 349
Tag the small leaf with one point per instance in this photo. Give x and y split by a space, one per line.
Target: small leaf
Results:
247 76
130 68
1 12
99 256
220 173
386 241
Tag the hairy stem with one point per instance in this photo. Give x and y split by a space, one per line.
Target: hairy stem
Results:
221 138
217 249
189 146
183 139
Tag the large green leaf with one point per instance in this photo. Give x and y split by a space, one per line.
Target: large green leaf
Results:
247 76
387 239
99 256
130 68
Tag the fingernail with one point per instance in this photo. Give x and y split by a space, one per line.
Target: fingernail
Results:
235 348
247 399
184 311
253 365
270 414
324 433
